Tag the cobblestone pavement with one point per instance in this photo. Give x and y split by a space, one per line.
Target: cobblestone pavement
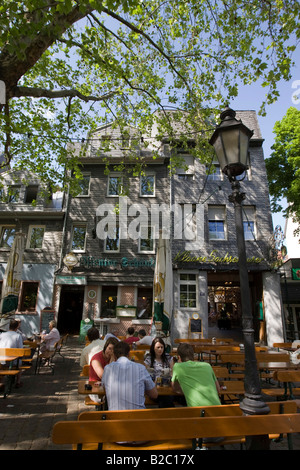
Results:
28 414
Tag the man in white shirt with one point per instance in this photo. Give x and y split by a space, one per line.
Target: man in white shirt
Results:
51 338
96 345
12 339
126 382
144 338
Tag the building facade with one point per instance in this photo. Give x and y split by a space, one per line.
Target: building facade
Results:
112 282
96 259
27 207
209 263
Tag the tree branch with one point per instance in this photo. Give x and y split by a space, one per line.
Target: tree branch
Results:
21 91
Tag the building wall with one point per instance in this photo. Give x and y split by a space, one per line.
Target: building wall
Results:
39 264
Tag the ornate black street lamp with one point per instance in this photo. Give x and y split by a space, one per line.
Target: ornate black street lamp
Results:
231 142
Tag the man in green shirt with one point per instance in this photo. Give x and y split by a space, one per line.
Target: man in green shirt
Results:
195 379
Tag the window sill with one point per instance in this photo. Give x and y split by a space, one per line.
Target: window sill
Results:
26 312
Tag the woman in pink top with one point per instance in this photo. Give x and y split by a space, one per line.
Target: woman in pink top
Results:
101 359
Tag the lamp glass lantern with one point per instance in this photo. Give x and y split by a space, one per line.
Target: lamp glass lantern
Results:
231 143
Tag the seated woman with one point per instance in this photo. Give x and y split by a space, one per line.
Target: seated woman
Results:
159 360
99 361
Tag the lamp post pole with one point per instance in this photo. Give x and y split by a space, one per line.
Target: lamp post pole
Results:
230 140
252 403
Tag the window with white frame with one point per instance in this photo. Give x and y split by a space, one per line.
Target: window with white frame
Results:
215 172
84 184
146 239
35 236
7 236
112 240
216 223
187 168
78 238
249 222
13 194
189 221
115 185
28 296
31 193
147 185
187 290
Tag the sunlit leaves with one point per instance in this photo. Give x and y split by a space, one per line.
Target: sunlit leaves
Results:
283 166
135 57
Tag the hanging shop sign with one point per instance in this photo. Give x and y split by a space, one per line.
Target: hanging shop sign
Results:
77 280
92 262
296 274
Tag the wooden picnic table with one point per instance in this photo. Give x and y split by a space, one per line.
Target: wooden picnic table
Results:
233 389
5 358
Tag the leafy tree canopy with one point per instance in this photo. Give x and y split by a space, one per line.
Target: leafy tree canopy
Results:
283 166
69 66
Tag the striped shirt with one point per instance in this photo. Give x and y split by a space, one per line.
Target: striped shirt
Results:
125 383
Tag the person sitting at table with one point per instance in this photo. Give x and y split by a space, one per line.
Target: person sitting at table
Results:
131 338
144 338
126 382
49 339
195 379
158 360
112 334
24 337
101 359
95 345
12 339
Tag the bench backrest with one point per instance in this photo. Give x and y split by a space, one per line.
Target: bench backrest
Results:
137 355
272 357
18 352
203 340
215 347
282 345
260 357
82 432
285 407
85 371
287 375
221 372
233 358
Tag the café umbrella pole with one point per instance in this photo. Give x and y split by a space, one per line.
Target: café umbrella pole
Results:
12 280
162 288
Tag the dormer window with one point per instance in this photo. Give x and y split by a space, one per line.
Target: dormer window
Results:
31 193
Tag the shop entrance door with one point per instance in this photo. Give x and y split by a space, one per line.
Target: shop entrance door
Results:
70 309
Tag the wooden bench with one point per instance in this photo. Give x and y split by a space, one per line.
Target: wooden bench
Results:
9 376
9 373
178 428
137 355
203 340
289 379
85 371
282 345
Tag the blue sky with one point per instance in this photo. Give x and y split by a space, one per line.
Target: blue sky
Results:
250 97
